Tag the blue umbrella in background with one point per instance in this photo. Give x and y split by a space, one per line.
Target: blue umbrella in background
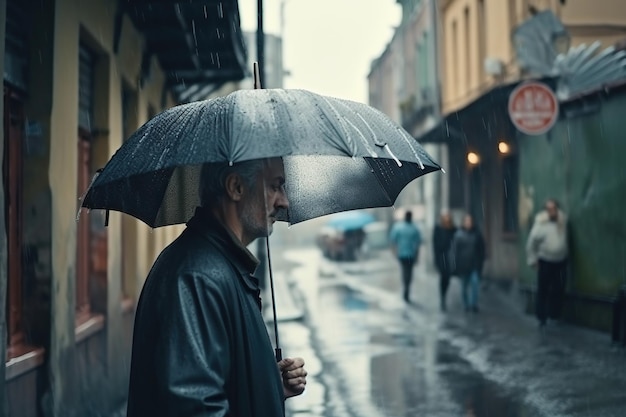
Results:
351 220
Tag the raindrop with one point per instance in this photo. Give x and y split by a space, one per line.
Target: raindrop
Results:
193 30
443 170
206 16
220 10
217 56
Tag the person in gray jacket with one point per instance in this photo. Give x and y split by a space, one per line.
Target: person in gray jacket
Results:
547 252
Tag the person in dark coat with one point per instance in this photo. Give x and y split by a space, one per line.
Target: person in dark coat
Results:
200 345
442 239
467 256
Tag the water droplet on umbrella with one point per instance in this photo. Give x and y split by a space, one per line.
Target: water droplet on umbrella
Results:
230 163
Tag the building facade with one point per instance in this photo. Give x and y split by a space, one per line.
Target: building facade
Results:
404 84
79 78
483 50
487 48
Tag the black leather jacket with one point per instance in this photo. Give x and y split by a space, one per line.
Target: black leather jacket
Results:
200 345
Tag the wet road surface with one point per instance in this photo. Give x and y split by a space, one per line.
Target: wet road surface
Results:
369 354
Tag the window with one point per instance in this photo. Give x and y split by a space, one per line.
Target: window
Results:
467 47
454 64
12 173
482 39
91 239
510 179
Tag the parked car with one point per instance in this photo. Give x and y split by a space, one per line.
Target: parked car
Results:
340 245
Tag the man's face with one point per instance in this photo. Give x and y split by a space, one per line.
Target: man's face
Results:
262 203
552 209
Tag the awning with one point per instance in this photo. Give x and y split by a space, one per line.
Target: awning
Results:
199 43
487 117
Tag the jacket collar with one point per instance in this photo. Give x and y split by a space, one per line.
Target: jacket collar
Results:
205 223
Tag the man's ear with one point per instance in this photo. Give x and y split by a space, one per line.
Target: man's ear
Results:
234 187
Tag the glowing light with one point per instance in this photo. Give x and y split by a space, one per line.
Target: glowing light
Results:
504 147
473 158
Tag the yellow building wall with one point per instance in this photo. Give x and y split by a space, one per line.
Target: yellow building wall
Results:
92 22
464 78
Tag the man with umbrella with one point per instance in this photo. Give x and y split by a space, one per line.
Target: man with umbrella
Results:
200 345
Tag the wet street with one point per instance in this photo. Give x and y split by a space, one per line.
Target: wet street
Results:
369 354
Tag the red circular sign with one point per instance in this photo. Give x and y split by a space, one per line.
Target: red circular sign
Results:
533 108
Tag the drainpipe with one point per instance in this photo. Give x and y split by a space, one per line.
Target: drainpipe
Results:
3 237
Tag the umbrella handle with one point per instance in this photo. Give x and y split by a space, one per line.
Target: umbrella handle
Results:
257 76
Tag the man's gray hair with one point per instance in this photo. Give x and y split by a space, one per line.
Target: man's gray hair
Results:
213 178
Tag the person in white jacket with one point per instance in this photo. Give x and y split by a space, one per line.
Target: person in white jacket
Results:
547 252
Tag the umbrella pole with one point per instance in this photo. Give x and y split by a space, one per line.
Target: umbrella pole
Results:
279 353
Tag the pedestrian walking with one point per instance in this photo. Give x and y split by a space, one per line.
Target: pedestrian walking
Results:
547 252
200 345
405 240
442 239
467 256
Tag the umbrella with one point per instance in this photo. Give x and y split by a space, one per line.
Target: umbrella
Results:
351 220
338 155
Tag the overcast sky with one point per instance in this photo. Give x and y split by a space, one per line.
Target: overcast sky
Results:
329 44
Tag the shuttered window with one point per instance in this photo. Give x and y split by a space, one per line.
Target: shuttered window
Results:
16 45
12 172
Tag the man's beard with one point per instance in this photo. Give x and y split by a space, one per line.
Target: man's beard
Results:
252 225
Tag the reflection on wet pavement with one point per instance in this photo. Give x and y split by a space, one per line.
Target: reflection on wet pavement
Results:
374 356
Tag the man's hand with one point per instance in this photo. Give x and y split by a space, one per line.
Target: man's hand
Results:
294 376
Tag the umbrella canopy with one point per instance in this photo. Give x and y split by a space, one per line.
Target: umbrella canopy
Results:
338 155
351 220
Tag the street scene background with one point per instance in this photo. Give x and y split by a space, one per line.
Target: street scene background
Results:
520 101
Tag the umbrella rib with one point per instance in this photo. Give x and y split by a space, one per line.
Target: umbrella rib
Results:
347 138
363 139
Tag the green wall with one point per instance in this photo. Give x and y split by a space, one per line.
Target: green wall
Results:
581 163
